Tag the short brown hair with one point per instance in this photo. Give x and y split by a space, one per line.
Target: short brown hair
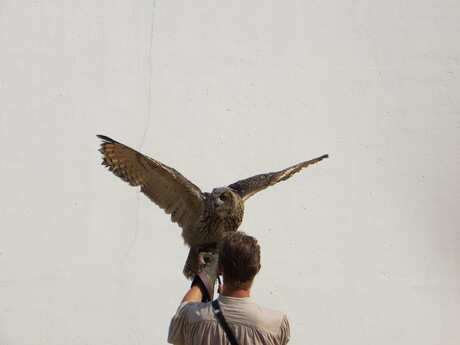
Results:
239 256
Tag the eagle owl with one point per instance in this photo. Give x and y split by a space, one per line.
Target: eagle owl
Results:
203 217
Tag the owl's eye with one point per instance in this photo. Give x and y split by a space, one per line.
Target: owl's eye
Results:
223 197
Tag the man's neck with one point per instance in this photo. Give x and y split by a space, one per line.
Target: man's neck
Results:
231 292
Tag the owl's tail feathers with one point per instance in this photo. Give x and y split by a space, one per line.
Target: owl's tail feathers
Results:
192 265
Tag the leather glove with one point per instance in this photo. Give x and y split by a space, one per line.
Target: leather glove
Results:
208 275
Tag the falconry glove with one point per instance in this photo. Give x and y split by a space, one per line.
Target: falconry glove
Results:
207 275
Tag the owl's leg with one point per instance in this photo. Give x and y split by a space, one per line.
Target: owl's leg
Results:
192 265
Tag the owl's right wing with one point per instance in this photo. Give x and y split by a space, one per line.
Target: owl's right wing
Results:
165 186
250 186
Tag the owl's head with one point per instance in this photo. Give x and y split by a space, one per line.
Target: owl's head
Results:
225 201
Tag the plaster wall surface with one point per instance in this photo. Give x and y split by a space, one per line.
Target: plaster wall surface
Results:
363 248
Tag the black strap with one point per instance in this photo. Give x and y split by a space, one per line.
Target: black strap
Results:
221 318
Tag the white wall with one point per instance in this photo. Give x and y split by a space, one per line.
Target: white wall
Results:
363 248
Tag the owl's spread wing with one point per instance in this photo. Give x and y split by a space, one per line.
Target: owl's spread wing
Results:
250 186
165 186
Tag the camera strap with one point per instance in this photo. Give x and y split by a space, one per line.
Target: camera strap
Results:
223 322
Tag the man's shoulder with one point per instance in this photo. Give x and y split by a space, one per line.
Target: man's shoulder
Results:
197 311
247 313
269 319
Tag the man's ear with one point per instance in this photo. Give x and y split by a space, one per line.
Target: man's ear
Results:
258 269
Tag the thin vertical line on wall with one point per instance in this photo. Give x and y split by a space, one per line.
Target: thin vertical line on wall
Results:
149 114
149 98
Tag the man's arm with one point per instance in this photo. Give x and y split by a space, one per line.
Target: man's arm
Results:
178 323
195 294
202 289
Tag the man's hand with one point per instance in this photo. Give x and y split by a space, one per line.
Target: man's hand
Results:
206 279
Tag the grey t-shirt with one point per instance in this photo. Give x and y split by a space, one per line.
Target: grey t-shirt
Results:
196 324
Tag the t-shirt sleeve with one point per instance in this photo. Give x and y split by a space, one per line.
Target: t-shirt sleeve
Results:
178 326
285 331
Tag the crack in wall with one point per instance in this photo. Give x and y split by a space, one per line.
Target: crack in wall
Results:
146 128
148 117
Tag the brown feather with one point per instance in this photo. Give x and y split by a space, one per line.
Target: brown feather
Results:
250 186
163 185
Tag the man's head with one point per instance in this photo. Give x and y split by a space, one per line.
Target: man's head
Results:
239 259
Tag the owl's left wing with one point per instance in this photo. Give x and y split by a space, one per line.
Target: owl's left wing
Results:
250 186
164 185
